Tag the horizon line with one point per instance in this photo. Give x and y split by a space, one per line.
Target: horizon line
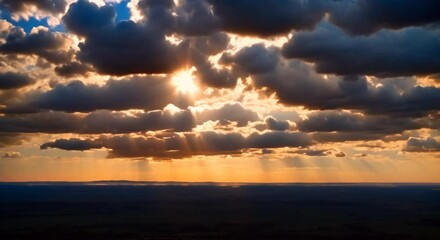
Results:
213 183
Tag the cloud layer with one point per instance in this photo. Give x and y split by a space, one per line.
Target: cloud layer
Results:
263 77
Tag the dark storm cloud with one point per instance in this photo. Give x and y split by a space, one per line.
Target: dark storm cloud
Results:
277 125
72 69
422 145
333 137
210 76
121 48
135 93
368 16
229 112
339 126
313 152
385 54
104 121
271 18
97 122
256 59
189 18
346 39
278 139
49 122
52 6
72 144
107 122
204 143
197 52
128 48
267 18
195 17
83 17
210 44
158 14
11 80
208 143
45 44
203 17
338 121
295 83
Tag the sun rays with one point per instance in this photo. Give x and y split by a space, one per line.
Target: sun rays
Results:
185 82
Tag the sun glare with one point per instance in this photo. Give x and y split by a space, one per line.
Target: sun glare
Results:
184 81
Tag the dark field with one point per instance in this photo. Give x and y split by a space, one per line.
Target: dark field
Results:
205 211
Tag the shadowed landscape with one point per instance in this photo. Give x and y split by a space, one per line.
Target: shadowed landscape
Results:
140 210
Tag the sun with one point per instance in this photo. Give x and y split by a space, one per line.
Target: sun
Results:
184 81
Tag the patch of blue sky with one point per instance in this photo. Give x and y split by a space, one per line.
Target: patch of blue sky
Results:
27 25
122 11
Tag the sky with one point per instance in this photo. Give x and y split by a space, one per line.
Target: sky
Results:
220 90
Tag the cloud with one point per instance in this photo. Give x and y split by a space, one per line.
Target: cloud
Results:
49 122
229 112
278 139
360 155
377 145
189 144
11 80
332 137
267 18
72 69
120 48
10 139
429 144
138 51
295 74
362 17
340 126
384 54
198 52
255 59
355 17
5 28
53 6
98 122
11 155
313 152
207 143
208 45
296 84
340 154
72 144
83 17
47 45
195 17
104 121
277 125
147 93
332 121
